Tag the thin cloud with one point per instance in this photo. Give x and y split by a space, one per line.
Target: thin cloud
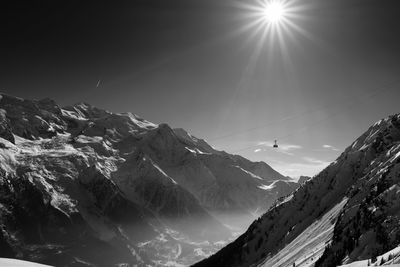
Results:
316 161
287 147
286 152
283 148
257 150
330 147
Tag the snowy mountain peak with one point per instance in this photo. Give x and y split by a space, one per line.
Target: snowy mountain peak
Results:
193 141
88 111
385 130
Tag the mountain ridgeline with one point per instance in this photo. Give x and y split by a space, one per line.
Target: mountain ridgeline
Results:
348 212
82 186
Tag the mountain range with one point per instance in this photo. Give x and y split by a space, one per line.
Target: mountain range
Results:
82 186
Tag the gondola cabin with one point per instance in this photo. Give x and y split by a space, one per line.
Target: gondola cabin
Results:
275 144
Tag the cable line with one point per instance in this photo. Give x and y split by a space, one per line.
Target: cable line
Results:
349 106
379 90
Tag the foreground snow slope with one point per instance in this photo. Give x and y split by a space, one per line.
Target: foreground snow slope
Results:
18 263
367 173
390 258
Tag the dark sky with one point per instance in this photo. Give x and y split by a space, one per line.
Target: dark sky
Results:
187 63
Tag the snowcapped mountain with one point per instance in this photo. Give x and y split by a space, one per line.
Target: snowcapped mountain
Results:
348 212
80 185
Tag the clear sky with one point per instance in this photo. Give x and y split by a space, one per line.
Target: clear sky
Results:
195 64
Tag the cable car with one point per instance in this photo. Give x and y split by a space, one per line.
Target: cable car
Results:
276 144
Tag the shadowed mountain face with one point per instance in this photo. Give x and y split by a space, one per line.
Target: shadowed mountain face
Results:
80 185
350 211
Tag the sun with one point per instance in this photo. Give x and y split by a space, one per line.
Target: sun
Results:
271 26
274 11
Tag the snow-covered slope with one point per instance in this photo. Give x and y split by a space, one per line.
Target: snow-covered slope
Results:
367 175
81 184
308 246
390 258
18 263
56 209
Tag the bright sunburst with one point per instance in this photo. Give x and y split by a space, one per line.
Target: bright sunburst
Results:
274 11
271 29
272 22
272 17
